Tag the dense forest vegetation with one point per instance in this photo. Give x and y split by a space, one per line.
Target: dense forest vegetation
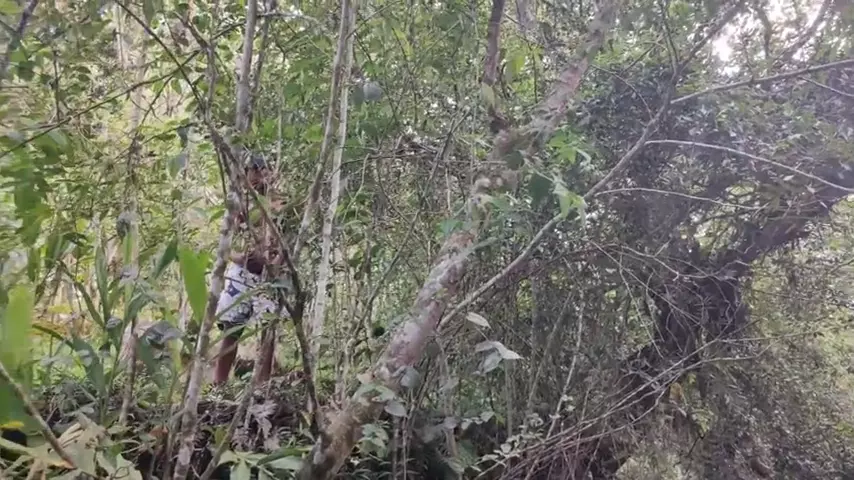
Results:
527 240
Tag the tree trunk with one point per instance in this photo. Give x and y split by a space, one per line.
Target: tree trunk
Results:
190 419
345 43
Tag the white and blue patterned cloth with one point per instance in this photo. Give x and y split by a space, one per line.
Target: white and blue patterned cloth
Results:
255 306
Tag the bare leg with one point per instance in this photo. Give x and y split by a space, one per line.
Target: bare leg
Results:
225 359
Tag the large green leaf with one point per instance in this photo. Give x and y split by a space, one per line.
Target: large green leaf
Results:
15 328
166 259
103 281
15 347
193 268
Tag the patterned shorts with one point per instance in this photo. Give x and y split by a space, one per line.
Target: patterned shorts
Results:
238 304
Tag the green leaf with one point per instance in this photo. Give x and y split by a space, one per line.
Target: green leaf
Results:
15 348
280 453
228 457
411 378
15 328
292 464
514 159
91 363
193 271
10 8
504 352
169 255
566 199
395 408
90 304
177 163
477 319
538 188
102 280
490 363
241 471
34 264
148 10
514 66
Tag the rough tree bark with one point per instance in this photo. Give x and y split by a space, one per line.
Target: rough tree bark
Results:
407 344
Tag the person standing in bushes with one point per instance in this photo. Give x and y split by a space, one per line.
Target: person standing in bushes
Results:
243 298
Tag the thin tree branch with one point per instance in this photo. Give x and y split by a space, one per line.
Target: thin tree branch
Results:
490 65
316 319
17 36
761 81
752 157
44 428
829 88
259 64
807 35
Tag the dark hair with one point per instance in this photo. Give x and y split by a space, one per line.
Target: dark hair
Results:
257 162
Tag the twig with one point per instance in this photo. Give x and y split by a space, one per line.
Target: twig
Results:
759 81
679 194
828 87
752 157
790 52
636 148
33 411
505 271
490 65
17 36
259 64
